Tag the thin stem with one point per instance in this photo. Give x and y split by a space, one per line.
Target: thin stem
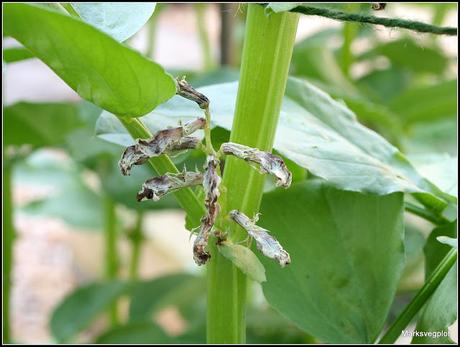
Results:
425 214
162 164
136 238
69 8
226 33
350 31
207 133
111 253
420 299
267 51
151 32
7 250
200 10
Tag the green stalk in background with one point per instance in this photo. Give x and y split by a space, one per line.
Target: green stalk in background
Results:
136 238
349 32
111 252
152 29
200 10
267 51
420 299
7 241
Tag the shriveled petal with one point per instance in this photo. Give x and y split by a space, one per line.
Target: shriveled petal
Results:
163 142
187 91
211 182
266 163
266 243
157 187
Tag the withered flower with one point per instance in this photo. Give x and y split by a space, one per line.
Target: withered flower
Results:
266 243
266 163
163 142
211 182
187 91
157 187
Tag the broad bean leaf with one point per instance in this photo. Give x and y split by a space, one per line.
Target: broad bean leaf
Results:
448 241
39 124
347 255
118 19
314 131
82 306
434 250
439 312
70 198
427 103
150 296
410 55
243 258
135 333
101 70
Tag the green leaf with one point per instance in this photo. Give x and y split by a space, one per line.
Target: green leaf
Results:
244 259
149 296
448 241
82 306
134 333
70 198
14 54
428 103
434 250
39 124
314 131
441 169
281 6
119 20
439 312
101 70
347 255
408 54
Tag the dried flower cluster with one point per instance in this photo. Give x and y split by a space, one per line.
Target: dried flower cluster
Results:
171 140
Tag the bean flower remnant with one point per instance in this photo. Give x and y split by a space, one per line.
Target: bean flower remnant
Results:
169 141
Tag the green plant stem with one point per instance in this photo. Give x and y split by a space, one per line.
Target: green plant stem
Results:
349 33
7 250
200 10
425 214
111 253
151 31
136 243
420 299
267 53
69 8
162 164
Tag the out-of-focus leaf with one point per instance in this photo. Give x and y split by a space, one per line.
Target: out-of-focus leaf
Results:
82 306
95 65
439 312
410 55
243 258
436 136
14 54
222 75
119 20
434 250
448 241
313 58
441 169
314 131
424 104
70 198
39 124
347 254
149 296
134 333
281 6
384 85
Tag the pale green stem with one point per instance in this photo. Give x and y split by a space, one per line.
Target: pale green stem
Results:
111 252
267 51
204 37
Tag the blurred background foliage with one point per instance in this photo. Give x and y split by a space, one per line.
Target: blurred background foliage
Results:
403 87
